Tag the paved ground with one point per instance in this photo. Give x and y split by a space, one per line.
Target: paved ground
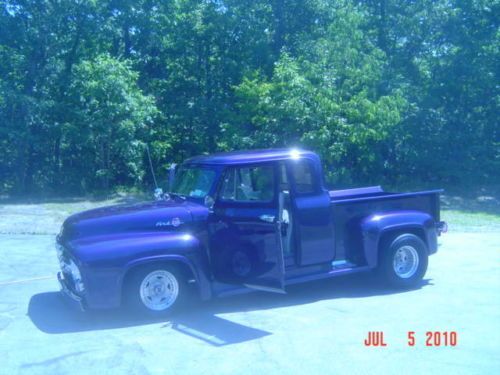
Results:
317 328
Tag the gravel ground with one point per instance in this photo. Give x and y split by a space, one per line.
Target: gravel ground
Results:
317 328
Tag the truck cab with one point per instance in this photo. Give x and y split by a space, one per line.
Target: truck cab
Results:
239 221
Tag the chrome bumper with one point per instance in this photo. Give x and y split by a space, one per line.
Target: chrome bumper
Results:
441 227
71 297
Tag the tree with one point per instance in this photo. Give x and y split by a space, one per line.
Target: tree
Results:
327 98
110 122
386 91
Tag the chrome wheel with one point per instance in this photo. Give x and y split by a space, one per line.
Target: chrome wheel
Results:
405 261
159 290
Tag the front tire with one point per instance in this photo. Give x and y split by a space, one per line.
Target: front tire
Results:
403 261
155 291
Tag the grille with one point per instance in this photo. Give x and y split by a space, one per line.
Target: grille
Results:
64 264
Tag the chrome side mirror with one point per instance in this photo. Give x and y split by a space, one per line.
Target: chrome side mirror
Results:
158 194
171 176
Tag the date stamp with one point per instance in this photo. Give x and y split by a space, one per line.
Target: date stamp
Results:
430 338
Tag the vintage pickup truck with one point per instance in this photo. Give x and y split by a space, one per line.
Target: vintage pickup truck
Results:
238 221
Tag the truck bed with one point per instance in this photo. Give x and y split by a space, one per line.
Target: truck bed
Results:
376 193
369 191
350 206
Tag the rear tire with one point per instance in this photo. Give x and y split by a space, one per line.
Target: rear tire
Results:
403 261
155 290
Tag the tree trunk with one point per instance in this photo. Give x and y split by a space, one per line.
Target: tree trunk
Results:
280 27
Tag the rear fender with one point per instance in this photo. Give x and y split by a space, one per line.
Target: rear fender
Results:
376 226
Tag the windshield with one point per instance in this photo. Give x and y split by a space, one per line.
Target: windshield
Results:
193 181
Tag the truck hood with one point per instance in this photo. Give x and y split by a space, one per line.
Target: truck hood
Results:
165 216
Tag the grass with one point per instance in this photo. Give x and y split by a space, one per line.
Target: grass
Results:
464 221
45 218
471 212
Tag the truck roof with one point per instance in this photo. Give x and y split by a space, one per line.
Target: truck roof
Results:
251 156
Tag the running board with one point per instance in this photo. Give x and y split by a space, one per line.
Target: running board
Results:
265 288
341 264
347 269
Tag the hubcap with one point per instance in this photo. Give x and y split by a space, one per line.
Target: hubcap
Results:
405 262
159 290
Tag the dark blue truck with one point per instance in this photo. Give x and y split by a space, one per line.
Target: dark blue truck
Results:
238 221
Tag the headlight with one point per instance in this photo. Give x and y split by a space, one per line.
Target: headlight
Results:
70 268
76 275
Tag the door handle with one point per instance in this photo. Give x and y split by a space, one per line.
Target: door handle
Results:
267 218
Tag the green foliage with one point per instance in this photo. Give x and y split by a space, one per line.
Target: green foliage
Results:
386 91
326 99
111 116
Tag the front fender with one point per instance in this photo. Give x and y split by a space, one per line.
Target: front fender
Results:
374 227
121 249
194 261
105 260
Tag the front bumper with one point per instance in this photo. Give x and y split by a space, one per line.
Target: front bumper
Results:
71 297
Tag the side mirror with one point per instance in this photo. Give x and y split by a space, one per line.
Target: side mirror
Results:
171 176
158 194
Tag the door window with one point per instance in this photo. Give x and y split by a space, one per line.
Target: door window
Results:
249 184
303 176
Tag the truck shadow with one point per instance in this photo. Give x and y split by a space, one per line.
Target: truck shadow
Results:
50 313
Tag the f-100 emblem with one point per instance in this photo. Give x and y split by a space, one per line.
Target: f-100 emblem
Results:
175 222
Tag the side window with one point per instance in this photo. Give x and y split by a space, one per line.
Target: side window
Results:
246 184
303 176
